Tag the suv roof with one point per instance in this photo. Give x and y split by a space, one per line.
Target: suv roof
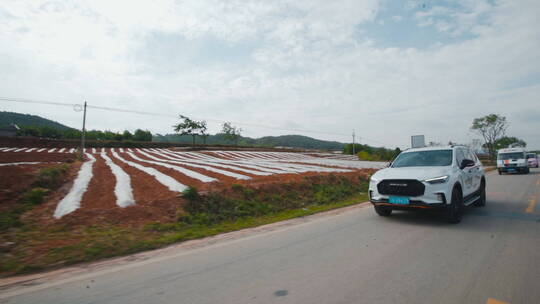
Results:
510 150
431 148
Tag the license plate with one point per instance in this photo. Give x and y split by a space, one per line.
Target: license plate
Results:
398 200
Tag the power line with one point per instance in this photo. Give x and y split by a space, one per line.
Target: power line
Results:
74 105
38 101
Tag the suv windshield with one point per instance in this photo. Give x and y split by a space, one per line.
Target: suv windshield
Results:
423 159
515 155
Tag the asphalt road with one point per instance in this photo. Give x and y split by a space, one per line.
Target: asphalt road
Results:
352 257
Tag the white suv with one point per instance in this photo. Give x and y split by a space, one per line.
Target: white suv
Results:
445 178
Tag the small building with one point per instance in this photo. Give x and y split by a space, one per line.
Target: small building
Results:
9 131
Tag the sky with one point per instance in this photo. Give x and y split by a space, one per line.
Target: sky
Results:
387 69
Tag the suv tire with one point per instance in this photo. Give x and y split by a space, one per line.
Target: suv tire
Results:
481 202
383 211
454 211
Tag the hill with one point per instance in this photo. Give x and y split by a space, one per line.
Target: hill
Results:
7 118
296 141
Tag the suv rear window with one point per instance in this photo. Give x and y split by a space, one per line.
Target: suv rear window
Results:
514 155
423 159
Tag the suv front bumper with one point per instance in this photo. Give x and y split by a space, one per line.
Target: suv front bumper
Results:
513 169
435 196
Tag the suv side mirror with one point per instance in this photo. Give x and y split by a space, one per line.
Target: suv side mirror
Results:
466 163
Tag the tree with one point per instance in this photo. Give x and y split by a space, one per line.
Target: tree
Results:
190 127
509 142
231 132
492 127
49 132
141 135
127 135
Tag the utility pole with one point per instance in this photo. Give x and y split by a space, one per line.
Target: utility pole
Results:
83 128
353 152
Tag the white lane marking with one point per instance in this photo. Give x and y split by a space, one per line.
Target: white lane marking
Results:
190 173
165 180
122 189
223 172
72 201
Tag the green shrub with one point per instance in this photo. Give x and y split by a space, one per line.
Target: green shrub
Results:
191 194
51 177
246 201
35 196
10 218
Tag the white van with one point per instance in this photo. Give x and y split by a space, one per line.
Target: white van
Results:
512 160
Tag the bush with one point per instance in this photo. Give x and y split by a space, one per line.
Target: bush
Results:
35 196
51 178
191 194
242 201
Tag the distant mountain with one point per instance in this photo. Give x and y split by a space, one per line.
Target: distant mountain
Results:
7 118
296 141
299 141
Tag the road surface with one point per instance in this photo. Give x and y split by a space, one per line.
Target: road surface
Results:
355 256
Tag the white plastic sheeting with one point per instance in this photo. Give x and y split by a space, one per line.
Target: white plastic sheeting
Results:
72 201
122 189
165 180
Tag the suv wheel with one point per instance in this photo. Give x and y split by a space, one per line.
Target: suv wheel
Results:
383 211
454 211
481 202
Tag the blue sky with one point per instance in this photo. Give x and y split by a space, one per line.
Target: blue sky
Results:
388 69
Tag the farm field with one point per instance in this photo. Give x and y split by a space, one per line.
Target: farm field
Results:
138 184
59 207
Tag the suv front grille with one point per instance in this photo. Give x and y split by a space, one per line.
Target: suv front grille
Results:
405 187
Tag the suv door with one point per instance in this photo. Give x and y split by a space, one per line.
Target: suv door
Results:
466 173
477 170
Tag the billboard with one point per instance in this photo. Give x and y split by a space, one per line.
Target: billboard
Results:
418 141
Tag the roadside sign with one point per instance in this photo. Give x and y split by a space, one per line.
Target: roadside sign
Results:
418 141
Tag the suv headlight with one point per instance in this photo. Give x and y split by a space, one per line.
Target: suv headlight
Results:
373 180
437 180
